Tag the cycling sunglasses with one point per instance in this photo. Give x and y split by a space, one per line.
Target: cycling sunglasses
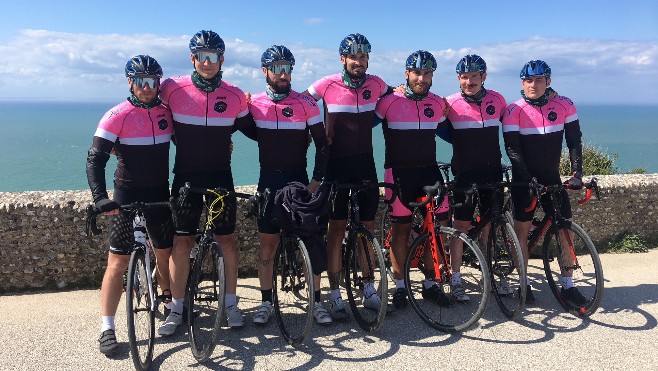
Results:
151 82
278 69
363 48
201 56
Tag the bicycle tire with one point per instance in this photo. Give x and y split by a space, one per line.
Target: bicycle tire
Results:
371 261
455 316
293 292
140 313
587 270
385 238
508 273
205 301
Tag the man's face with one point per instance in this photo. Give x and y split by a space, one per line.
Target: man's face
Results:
471 82
279 83
146 94
205 67
534 87
419 80
355 64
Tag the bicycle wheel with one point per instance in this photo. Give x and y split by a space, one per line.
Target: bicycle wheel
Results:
508 273
385 238
205 301
365 280
436 306
141 317
575 255
293 292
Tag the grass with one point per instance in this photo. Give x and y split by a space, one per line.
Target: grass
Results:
628 243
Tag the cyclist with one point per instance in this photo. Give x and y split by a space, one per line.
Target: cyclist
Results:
409 121
138 132
283 120
474 121
206 111
533 129
349 100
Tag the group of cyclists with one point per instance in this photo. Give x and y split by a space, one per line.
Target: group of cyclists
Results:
200 112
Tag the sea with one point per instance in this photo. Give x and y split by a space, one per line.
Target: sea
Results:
44 144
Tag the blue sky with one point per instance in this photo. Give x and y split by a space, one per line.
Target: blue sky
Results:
600 51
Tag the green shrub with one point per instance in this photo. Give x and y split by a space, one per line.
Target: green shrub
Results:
595 162
627 243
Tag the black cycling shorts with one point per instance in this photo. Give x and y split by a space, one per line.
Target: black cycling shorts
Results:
159 222
521 199
353 169
465 180
411 182
187 218
275 180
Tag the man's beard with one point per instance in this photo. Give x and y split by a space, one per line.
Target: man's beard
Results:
414 88
357 76
276 88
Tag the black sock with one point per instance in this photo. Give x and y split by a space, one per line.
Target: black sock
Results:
317 296
266 295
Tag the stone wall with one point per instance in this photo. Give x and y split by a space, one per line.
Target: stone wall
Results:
42 242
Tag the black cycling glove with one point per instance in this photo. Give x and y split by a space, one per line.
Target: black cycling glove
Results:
105 205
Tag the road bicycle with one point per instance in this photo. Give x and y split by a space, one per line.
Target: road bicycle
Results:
293 291
428 271
206 283
364 268
141 288
567 250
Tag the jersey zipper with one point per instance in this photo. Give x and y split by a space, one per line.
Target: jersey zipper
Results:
152 128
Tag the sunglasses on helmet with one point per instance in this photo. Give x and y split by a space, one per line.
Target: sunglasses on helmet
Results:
201 56
363 48
278 69
151 82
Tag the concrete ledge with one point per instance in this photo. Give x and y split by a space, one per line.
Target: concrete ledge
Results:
42 243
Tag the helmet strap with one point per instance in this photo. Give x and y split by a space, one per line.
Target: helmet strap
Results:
352 81
477 98
207 85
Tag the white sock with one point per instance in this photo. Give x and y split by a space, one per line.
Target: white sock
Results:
368 289
335 294
399 284
456 278
177 305
567 282
107 323
230 299
427 283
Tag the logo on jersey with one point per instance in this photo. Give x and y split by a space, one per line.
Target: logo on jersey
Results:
220 106
367 94
288 112
308 100
428 112
163 124
491 110
552 116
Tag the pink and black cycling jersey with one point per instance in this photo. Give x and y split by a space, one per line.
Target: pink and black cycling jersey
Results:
282 132
349 112
203 123
140 138
533 137
409 129
474 129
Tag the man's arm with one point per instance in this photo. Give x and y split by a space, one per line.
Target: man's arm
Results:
97 158
573 136
247 126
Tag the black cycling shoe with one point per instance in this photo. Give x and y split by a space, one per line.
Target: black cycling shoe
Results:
574 297
400 298
107 342
436 295
529 296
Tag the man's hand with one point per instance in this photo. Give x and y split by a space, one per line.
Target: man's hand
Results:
399 89
107 206
248 96
575 182
313 186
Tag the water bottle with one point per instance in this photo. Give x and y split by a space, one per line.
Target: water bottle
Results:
139 229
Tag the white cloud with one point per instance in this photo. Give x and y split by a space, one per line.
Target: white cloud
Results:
40 63
313 21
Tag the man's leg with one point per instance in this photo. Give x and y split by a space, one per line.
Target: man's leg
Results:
335 237
268 245
229 246
399 250
179 269
111 291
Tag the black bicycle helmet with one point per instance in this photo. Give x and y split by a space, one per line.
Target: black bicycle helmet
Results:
421 59
207 40
471 63
142 66
354 43
277 53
